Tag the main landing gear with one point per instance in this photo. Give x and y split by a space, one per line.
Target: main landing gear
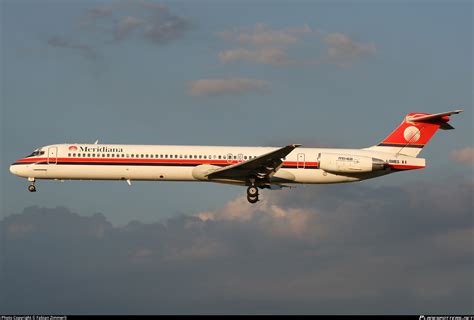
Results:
31 187
252 194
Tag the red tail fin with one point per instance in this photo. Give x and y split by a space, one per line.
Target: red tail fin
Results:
415 132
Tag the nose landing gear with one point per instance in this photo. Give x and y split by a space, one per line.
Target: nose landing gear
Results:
31 187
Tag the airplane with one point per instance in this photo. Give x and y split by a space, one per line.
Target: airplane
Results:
254 167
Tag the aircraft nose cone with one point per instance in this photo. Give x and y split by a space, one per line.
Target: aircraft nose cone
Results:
13 169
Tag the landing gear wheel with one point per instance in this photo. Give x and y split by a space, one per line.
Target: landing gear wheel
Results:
252 192
252 199
31 188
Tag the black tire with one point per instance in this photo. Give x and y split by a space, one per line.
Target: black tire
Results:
252 191
31 188
252 199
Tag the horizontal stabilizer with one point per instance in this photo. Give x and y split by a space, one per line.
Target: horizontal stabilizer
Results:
433 117
446 126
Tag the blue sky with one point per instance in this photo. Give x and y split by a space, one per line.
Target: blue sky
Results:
252 73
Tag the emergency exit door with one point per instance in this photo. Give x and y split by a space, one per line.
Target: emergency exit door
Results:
53 155
300 163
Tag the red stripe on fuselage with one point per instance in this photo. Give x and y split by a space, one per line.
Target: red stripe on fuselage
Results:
186 161
405 167
145 161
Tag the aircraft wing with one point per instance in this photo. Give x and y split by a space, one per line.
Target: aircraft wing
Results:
262 167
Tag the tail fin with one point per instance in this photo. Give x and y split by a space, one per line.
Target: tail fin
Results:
414 133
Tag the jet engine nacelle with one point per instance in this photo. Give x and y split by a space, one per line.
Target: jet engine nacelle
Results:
344 163
201 172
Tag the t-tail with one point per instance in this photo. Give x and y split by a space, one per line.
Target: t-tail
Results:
414 133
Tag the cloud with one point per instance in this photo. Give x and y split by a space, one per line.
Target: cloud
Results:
227 86
265 55
148 20
163 26
327 249
120 21
263 44
343 51
262 35
465 156
85 50
126 25
266 45
97 13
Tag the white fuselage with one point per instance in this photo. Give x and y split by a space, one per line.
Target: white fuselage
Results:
182 163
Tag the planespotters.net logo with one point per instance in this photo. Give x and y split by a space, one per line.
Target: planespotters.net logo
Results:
446 317
72 148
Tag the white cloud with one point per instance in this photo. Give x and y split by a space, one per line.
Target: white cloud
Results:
227 86
465 155
272 218
262 44
343 51
261 55
262 35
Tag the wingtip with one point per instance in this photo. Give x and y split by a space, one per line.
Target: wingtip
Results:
296 145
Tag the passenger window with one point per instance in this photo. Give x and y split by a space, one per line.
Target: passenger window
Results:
68 154
73 154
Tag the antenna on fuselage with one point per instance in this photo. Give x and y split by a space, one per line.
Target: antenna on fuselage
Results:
96 142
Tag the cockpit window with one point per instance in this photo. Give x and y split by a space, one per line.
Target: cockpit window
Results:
35 154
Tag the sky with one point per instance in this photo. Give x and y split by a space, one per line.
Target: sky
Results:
252 73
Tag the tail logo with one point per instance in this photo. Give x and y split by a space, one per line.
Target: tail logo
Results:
411 134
